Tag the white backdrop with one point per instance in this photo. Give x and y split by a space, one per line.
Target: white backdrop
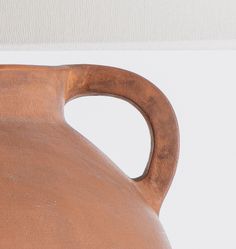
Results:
199 211
118 24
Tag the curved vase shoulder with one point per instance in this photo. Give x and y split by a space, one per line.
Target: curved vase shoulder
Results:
57 189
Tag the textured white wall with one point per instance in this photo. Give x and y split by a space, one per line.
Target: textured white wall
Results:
117 24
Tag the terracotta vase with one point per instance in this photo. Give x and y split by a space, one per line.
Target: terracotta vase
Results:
58 191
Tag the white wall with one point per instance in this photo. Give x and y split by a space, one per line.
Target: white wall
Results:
199 211
117 24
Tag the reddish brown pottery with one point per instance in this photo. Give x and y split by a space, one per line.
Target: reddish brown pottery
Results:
58 191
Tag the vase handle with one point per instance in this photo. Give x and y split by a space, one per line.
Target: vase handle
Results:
156 109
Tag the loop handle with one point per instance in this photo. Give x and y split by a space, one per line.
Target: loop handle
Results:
103 80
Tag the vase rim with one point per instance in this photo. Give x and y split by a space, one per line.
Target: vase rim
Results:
6 67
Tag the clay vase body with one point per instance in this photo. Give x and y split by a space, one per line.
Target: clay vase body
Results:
57 190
